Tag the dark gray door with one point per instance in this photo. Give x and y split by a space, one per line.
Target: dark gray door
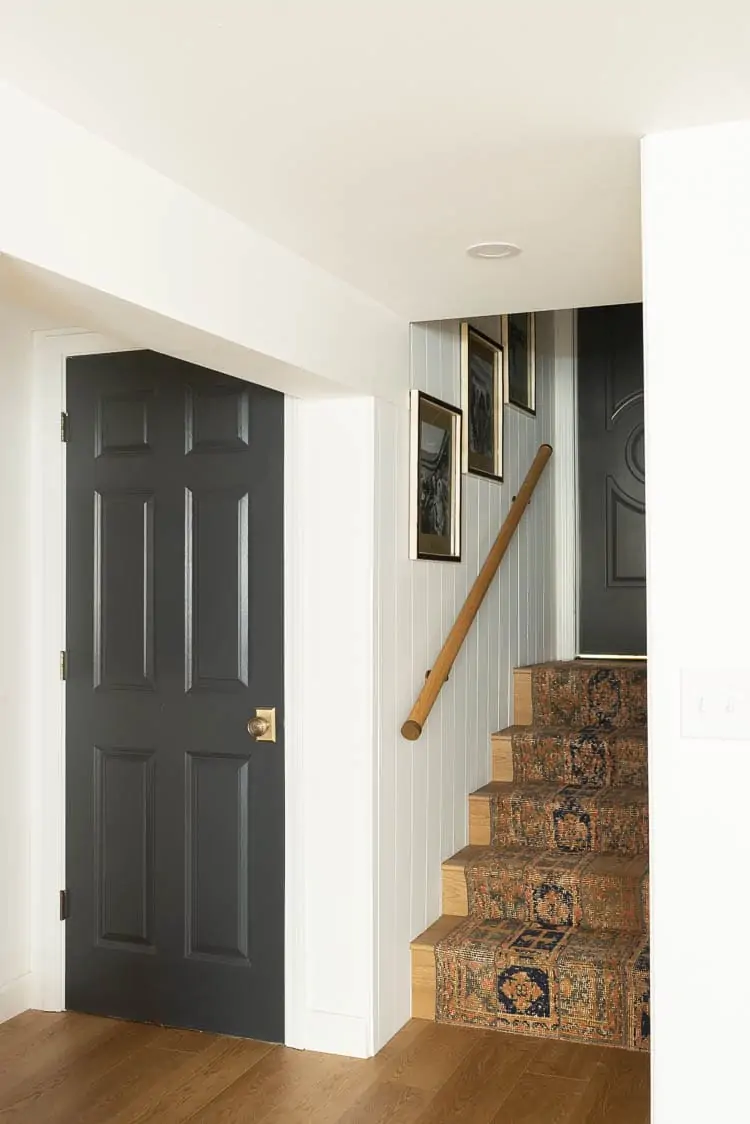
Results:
175 815
611 471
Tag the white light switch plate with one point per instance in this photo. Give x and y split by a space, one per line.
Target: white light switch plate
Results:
715 704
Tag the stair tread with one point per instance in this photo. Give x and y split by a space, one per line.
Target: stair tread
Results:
604 861
553 890
569 818
588 665
586 889
545 789
563 731
549 981
436 932
506 933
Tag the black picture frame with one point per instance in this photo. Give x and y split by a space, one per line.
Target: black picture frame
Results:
482 396
436 481
519 366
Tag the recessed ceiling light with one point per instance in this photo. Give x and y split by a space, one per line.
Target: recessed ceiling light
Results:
493 250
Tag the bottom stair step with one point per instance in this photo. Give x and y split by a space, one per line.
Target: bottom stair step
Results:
565 983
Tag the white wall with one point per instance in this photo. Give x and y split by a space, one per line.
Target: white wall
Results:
329 724
75 206
16 326
423 786
696 240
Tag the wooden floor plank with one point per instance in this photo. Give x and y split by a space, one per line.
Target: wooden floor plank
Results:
217 1069
541 1100
567 1059
619 1092
277 1083
482 1081
433 1057
78 1069
57 1095
388 1101
64 1045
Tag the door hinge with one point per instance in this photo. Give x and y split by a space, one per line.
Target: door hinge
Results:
64 665
63 426
64 910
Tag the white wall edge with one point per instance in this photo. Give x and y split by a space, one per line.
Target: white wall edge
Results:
565 486
295 1029
51 349
16 996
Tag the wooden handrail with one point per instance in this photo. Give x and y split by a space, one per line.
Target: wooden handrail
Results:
414 724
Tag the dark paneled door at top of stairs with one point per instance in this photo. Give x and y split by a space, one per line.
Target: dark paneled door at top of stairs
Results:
611 472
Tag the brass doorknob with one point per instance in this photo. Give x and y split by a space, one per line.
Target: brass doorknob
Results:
257 727
263 726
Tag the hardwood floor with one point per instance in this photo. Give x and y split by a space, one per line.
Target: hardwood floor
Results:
78 1069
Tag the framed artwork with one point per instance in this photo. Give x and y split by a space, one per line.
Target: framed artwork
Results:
482 402
435 531
519 350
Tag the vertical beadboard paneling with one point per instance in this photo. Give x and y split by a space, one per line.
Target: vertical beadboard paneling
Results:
423 786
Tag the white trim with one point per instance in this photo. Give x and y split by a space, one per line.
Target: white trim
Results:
51 349
16 996
565 443
310 1023
295 1029
330 616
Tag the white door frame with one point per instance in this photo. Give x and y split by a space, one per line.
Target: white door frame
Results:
565 462
51 351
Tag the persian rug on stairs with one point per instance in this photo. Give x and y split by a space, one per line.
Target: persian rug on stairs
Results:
556 940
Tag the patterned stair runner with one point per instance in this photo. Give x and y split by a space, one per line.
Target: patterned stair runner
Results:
556 941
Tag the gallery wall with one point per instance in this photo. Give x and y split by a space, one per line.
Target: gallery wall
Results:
421 813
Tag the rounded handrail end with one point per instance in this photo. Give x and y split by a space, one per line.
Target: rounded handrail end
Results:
411 730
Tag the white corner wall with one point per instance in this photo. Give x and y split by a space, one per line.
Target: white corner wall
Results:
77 207
329 724
422 809
16 343
696 241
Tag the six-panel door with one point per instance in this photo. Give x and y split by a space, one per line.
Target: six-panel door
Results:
175 832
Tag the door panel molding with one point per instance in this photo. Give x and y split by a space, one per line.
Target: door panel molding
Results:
116 796
135 563
216 670
204 942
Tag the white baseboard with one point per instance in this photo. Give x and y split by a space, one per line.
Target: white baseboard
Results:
15 997
330 1033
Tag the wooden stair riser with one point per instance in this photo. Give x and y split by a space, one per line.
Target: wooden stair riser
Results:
583 694
523 707
596 892
546 818
423 967
530 755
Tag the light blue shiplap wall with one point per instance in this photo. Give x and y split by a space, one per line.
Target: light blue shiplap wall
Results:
423 786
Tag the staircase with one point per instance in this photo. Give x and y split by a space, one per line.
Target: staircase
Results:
545 923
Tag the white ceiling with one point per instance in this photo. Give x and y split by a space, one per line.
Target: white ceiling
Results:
379 138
